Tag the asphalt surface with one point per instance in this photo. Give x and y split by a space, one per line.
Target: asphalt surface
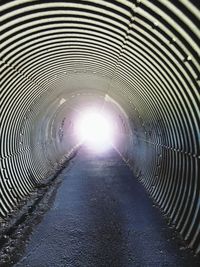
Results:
102 216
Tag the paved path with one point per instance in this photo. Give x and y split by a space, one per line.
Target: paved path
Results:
102 216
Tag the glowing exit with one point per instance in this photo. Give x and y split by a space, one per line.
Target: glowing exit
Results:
95 129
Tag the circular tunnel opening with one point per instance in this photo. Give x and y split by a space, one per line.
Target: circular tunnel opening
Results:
87 119
95 130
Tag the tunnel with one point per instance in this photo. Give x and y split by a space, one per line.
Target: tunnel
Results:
138 61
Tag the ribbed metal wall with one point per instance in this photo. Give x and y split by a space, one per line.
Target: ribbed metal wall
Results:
146 51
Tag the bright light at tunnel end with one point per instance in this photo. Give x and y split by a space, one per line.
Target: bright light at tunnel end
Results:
95 130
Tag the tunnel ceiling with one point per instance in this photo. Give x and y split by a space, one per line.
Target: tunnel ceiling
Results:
144 54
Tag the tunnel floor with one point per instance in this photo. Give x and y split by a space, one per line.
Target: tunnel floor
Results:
102 216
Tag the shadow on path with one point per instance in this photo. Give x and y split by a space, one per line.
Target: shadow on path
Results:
102 216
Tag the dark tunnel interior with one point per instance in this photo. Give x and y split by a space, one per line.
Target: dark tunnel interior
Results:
137 60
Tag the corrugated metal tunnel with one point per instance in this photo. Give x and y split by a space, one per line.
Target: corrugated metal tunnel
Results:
140 57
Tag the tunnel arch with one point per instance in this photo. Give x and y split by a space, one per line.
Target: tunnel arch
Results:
143 54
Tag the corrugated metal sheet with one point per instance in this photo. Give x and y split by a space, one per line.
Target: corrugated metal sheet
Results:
148 54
